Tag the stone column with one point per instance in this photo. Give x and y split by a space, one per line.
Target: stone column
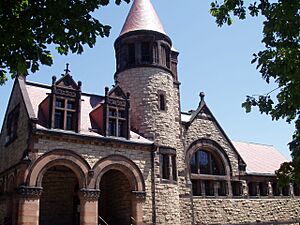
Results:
228 188
291 190
89 206
138 197
28 205
244 188
257 189
270 189
202 185
216 188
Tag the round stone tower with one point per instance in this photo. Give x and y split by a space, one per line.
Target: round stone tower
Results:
147 69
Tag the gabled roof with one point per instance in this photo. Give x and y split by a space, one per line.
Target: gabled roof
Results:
260 159
188 118
142 16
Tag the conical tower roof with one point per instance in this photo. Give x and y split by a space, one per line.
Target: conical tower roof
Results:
142 16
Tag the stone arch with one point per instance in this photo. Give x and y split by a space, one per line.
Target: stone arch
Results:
209 145
122 164
59 157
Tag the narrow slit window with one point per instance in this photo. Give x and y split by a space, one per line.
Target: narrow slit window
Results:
162 102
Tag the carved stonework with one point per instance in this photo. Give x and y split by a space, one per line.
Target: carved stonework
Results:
30 192
89 194
139 194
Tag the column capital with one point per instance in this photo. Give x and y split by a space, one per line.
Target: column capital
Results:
30 192
139 194
89 194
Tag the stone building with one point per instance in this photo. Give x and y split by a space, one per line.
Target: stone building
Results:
131 156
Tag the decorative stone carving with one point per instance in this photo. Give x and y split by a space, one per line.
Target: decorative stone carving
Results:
30 192
89 194
139 194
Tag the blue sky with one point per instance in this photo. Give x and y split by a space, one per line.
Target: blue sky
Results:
212 59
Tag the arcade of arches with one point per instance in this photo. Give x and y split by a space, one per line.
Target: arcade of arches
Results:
62 199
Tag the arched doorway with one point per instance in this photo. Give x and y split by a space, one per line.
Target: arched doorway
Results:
59 202
115 203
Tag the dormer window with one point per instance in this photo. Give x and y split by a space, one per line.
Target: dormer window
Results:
65 111
116 118
65 103
116 122
12 124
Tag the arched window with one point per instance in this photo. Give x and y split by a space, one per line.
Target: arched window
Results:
208 174
204 162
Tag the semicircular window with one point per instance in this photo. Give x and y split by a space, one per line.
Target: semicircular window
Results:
206 162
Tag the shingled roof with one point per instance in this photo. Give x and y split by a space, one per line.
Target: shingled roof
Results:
142 16
260 159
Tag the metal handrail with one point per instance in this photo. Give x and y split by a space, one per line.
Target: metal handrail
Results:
102 220
133 220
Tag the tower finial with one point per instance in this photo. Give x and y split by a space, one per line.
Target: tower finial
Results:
67 69
202 95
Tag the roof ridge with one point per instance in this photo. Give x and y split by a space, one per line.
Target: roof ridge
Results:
252 142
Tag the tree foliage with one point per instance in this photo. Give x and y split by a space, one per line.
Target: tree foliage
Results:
279 61
29 27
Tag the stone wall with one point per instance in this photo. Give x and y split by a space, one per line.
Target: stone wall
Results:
231 211
94 152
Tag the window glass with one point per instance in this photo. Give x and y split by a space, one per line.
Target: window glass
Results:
162 102
70 121
71 104
174 168
60 103
59 119
112 127
131 54
155 54
145 50
165 166
203 162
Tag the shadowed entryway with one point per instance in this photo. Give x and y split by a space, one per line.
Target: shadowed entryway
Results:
59 203
115 205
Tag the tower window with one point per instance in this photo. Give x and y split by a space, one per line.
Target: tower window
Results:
131 54
162 102
145 51
64 116
168 166
165 56
155 54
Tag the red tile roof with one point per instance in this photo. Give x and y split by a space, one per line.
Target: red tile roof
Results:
142 16
260 159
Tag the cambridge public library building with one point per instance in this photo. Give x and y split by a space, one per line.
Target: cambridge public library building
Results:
131 156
